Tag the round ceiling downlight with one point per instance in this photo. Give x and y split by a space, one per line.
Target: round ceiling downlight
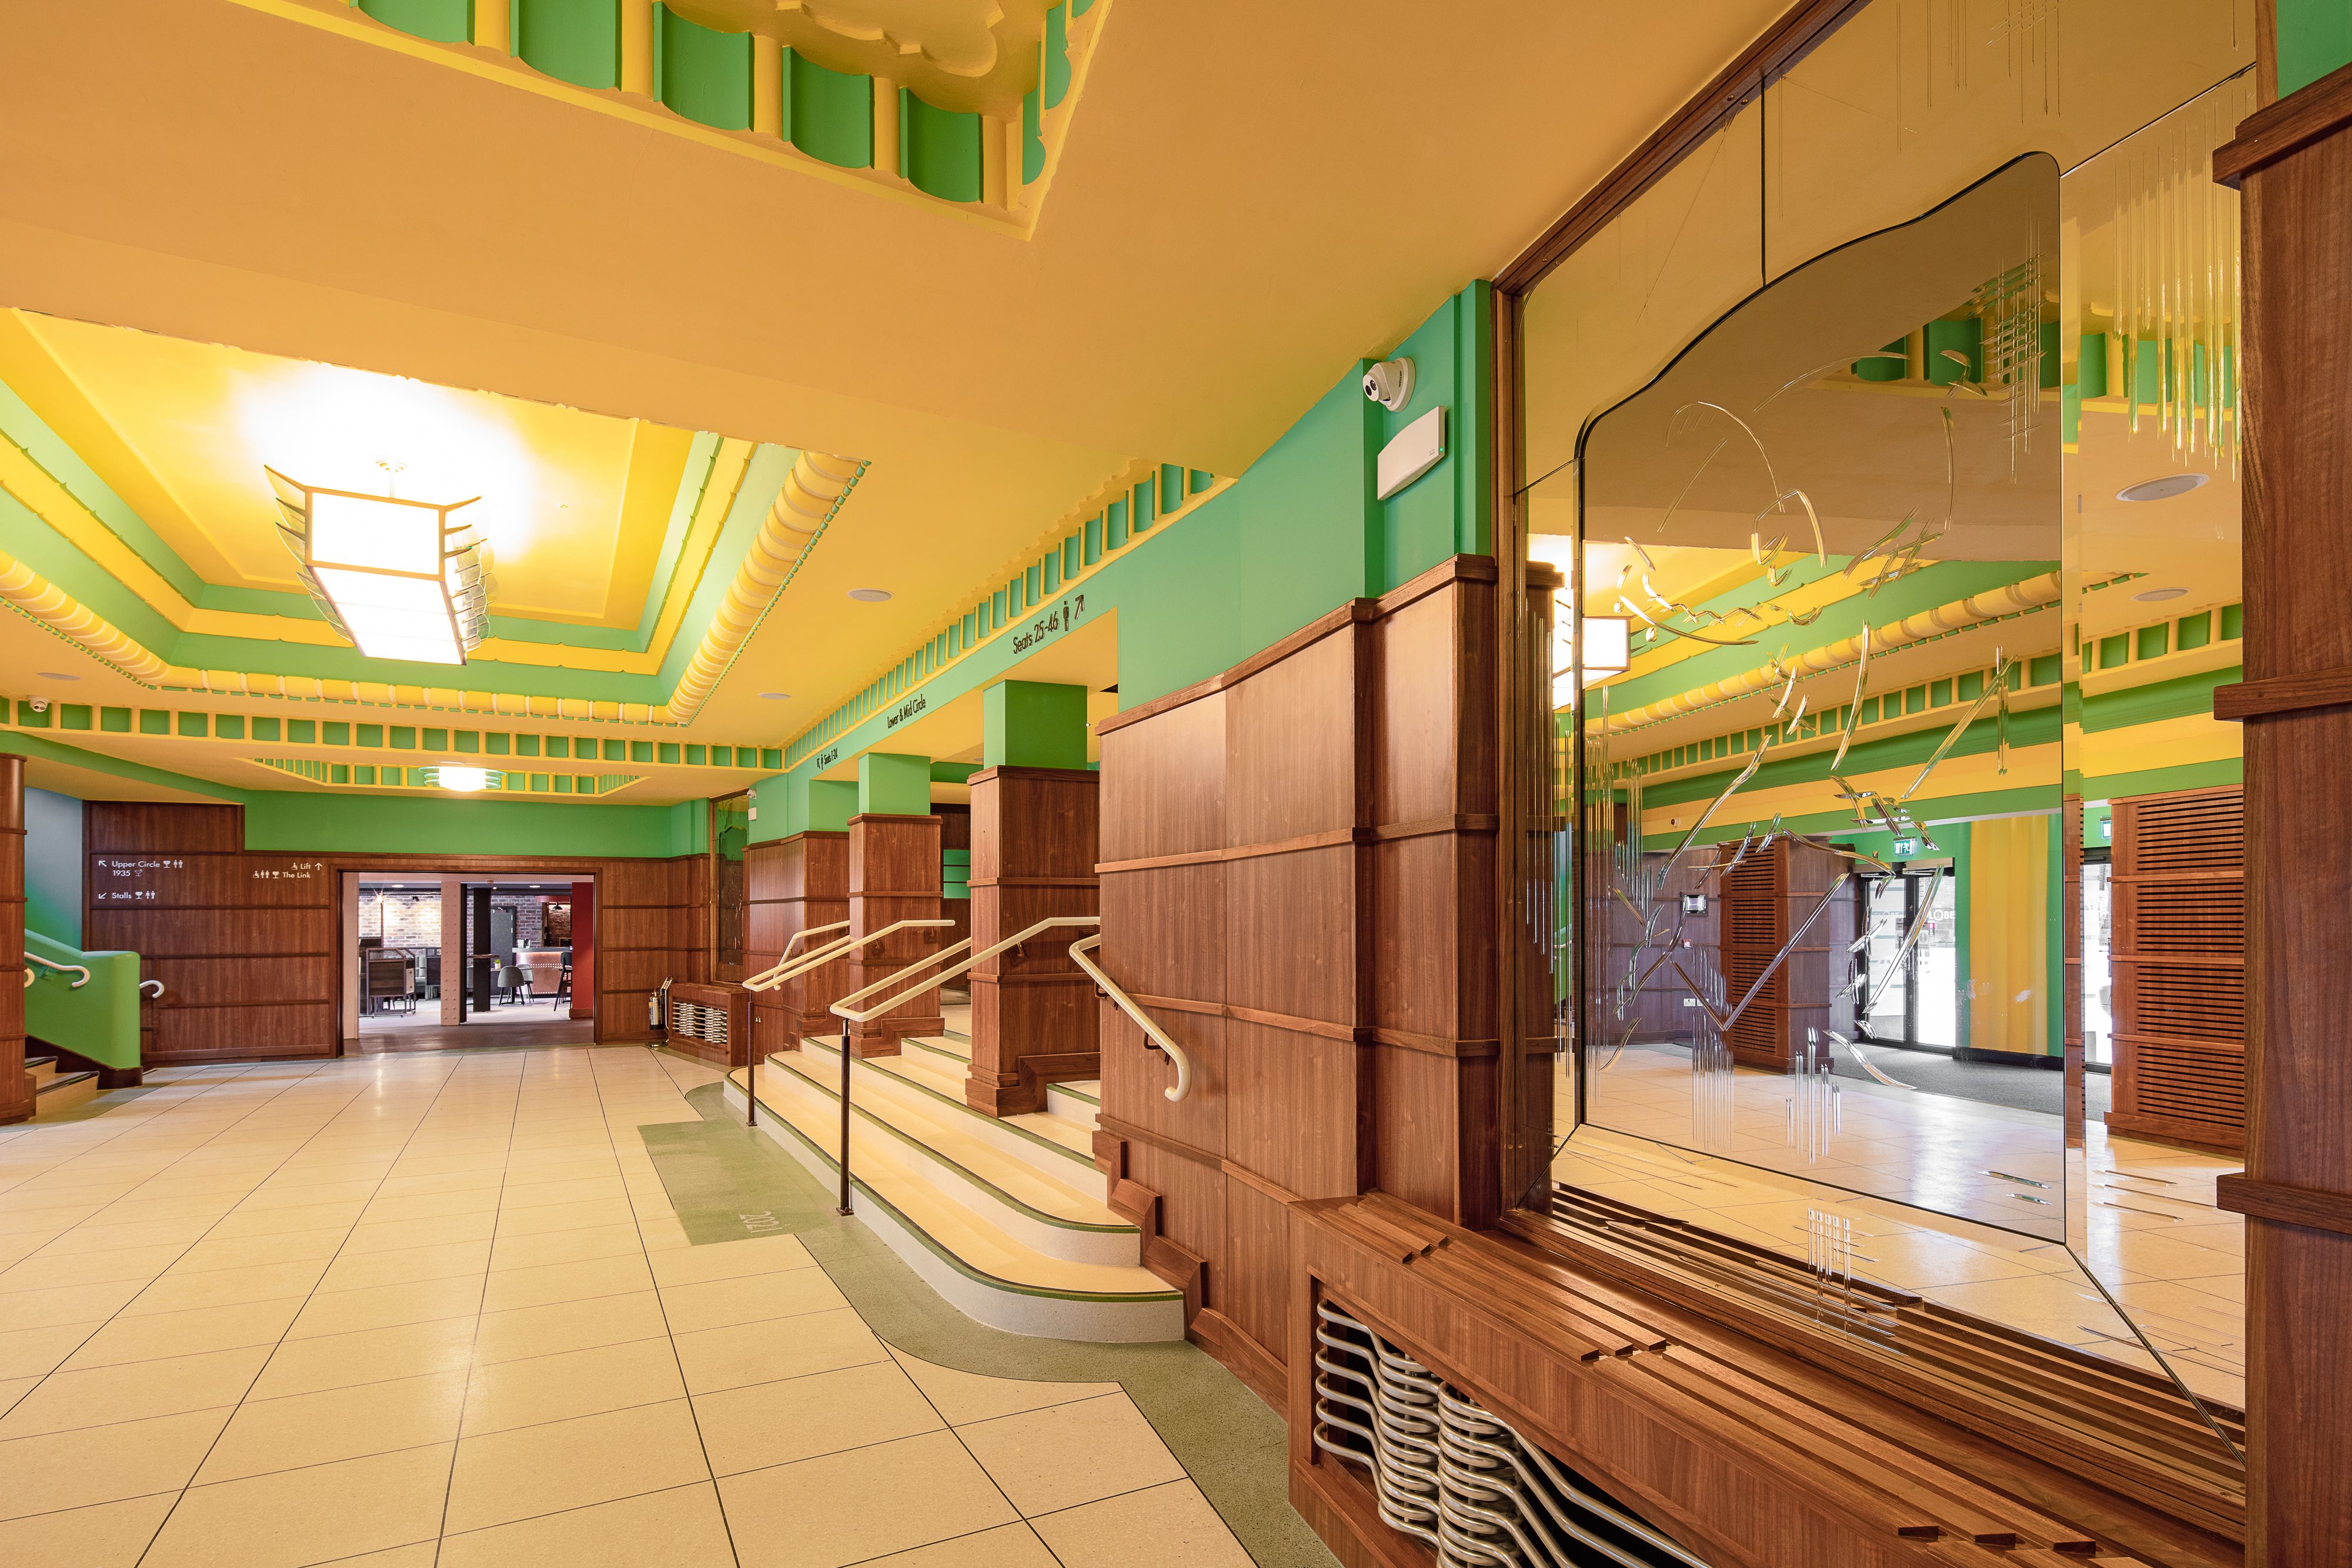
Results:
2158 595
2162 489
55 676
775 697
870 595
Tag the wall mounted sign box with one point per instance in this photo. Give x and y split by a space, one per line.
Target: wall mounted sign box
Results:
1411 452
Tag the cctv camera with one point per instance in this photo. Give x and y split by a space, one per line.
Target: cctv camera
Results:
1389 383
40 705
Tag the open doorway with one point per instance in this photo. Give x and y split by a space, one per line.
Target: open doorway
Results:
446 961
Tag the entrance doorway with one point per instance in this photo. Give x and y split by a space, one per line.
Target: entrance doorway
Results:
442 961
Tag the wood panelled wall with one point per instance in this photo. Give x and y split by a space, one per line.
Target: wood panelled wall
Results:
1297 881
794 885
17 1098
1035 833
894 876
2178 953
247 944
1769 909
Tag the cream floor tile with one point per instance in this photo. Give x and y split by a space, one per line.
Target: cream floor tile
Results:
564 1216
431 1206
67 1303
455 1181
376 1355
662 1233
1070 1454
680 1528
1170 1526
421 1555
753 1298
966 1397
731 1261
104 1464
388 1306
846 1508
552 1283
511 1251
317 1514
41 1273
509 1393
398 1235
13 1389
533 1470
777 1423
285 1434
226 1287
765 1352
302 1192
245 1252
108 1535
568 1325
136 1391
281 1221
190 1333
1006 1546
449 1260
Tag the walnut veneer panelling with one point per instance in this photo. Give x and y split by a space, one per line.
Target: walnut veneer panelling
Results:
1774 928
795 884
246 943
1297 881
17 1093
2178 948
1034 833
894 876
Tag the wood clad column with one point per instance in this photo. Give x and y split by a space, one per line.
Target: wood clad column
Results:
797 884
1034 832
16 1097
894 876
2293 163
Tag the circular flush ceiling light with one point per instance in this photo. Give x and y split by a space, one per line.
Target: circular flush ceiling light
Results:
776 696
870 595
55 676
2162 489
2158 595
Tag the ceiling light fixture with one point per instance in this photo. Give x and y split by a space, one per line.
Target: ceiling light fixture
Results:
870 595
2158 595
466 780
2162 489
776 696
393 575
55 676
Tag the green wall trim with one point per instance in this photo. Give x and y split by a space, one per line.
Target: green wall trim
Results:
444 824
1032 724
894 784
2160 781
828 114
578 41
2035 726
34 746
701 72
764 481
443 21
2176 698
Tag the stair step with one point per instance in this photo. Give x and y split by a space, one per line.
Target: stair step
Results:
1059 1213
1039 1136
64 1091
42 1068
985 1273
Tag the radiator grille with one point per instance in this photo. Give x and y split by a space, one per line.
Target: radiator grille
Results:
2191 1085
2191 1002
2188 918
2173 833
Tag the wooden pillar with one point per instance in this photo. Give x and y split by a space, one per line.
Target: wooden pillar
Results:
1034 832
894 876
796 884
17 1095
2292 161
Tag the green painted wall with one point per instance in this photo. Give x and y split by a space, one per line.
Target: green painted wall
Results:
53 865
408 824
2314 37
1032 724
894 784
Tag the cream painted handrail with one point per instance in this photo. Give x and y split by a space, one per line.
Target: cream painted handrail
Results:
61 968
769 979
941 978
816 959
1126 1003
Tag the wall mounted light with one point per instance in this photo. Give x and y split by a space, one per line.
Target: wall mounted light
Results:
395 577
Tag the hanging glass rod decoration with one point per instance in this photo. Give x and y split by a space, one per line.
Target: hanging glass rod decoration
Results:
395 578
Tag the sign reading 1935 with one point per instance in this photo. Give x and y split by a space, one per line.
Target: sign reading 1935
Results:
109 872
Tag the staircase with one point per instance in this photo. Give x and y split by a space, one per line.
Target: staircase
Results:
1004 1218
56 1093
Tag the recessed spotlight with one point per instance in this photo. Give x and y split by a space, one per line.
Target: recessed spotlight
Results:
870 595
776 696
2162 489
55 676
2158 595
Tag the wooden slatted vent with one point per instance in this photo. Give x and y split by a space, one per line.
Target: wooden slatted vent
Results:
2180 968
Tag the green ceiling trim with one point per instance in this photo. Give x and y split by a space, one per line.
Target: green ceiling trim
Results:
33 540
701 72
30 433
701 458
764 481
443 21
48 750
372 776
578 41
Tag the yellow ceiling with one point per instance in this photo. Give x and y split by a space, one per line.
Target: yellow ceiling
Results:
575 504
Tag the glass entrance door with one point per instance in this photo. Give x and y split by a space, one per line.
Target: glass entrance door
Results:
1911 991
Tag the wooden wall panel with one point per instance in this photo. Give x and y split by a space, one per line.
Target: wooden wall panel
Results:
17 1098
795 884
894 876
1298 882
1033 835
2177 948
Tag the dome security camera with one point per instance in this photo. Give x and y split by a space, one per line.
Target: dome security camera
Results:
40 705
1389 383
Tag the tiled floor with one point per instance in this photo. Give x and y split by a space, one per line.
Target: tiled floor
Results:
403 1310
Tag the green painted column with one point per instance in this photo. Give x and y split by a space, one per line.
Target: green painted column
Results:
2314 37
1031 724
893 784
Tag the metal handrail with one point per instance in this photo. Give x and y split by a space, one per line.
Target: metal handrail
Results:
769 979
1152 1032
815 959
842 1009
61 968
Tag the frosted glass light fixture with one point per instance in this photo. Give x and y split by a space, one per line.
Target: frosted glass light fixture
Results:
395 577
466 780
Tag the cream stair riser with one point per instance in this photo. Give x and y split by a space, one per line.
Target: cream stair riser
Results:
1093 1234
1149 1313
1056 1148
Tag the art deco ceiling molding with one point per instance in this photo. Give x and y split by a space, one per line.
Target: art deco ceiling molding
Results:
960 106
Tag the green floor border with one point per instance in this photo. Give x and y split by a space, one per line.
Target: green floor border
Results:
728 1181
